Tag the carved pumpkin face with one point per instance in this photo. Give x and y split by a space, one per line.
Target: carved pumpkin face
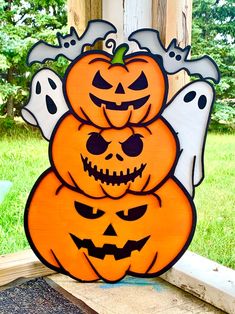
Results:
115 93
112 162
90 239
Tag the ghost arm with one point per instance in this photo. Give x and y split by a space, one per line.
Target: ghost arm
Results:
189 114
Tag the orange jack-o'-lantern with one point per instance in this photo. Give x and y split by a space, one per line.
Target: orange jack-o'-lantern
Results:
90 239
115 90
110 161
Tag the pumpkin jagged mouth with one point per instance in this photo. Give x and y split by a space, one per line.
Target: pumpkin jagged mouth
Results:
114 178
109 249
137 103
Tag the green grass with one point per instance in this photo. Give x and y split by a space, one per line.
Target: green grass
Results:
215 202
22 160
23 157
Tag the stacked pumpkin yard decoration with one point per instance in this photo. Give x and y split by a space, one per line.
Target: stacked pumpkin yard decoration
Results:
118 197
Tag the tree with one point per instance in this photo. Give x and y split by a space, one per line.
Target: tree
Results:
22 23
213 33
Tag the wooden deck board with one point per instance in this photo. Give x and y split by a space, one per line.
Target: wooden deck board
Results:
197 275
134 295
22 264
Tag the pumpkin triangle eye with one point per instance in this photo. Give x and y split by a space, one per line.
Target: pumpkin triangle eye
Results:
100 82
140 83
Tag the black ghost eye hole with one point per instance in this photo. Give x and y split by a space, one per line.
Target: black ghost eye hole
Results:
140 83
133 146
86 211
66 45
73 42
100 82
52 83
202 102
133 213
178 57
190 96
96 144
38 88
172 54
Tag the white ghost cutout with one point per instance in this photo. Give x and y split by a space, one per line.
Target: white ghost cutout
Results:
46 104
189 114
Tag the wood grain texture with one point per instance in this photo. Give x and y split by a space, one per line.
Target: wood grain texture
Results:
159 11
195 274
134 295
128 16
137 14
173 19
82 11
206 279
23 264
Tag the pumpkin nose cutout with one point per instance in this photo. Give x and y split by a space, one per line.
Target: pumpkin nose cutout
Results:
110 231
119 89
119 157
109 156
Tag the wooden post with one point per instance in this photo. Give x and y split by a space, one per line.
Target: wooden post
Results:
172 18
81 11
127 16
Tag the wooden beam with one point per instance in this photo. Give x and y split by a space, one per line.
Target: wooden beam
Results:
82 11
204 278
133 295
173 19
127 16
195 274
77 14
23 264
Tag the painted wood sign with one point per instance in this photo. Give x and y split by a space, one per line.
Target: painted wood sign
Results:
118 197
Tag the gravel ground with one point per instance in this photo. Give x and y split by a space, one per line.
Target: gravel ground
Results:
35 297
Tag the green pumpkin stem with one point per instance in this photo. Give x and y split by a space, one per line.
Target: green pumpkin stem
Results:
119 54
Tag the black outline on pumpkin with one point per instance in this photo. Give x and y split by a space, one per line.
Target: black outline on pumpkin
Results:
153 191
138 53
61 269
75 187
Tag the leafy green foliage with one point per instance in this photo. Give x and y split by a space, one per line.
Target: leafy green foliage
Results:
23 23
213 33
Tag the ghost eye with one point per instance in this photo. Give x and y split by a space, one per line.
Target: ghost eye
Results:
38 88
133 146
52 83
96 144
66 45
140 83
100 82
202 102
178 57
87 211
133 213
